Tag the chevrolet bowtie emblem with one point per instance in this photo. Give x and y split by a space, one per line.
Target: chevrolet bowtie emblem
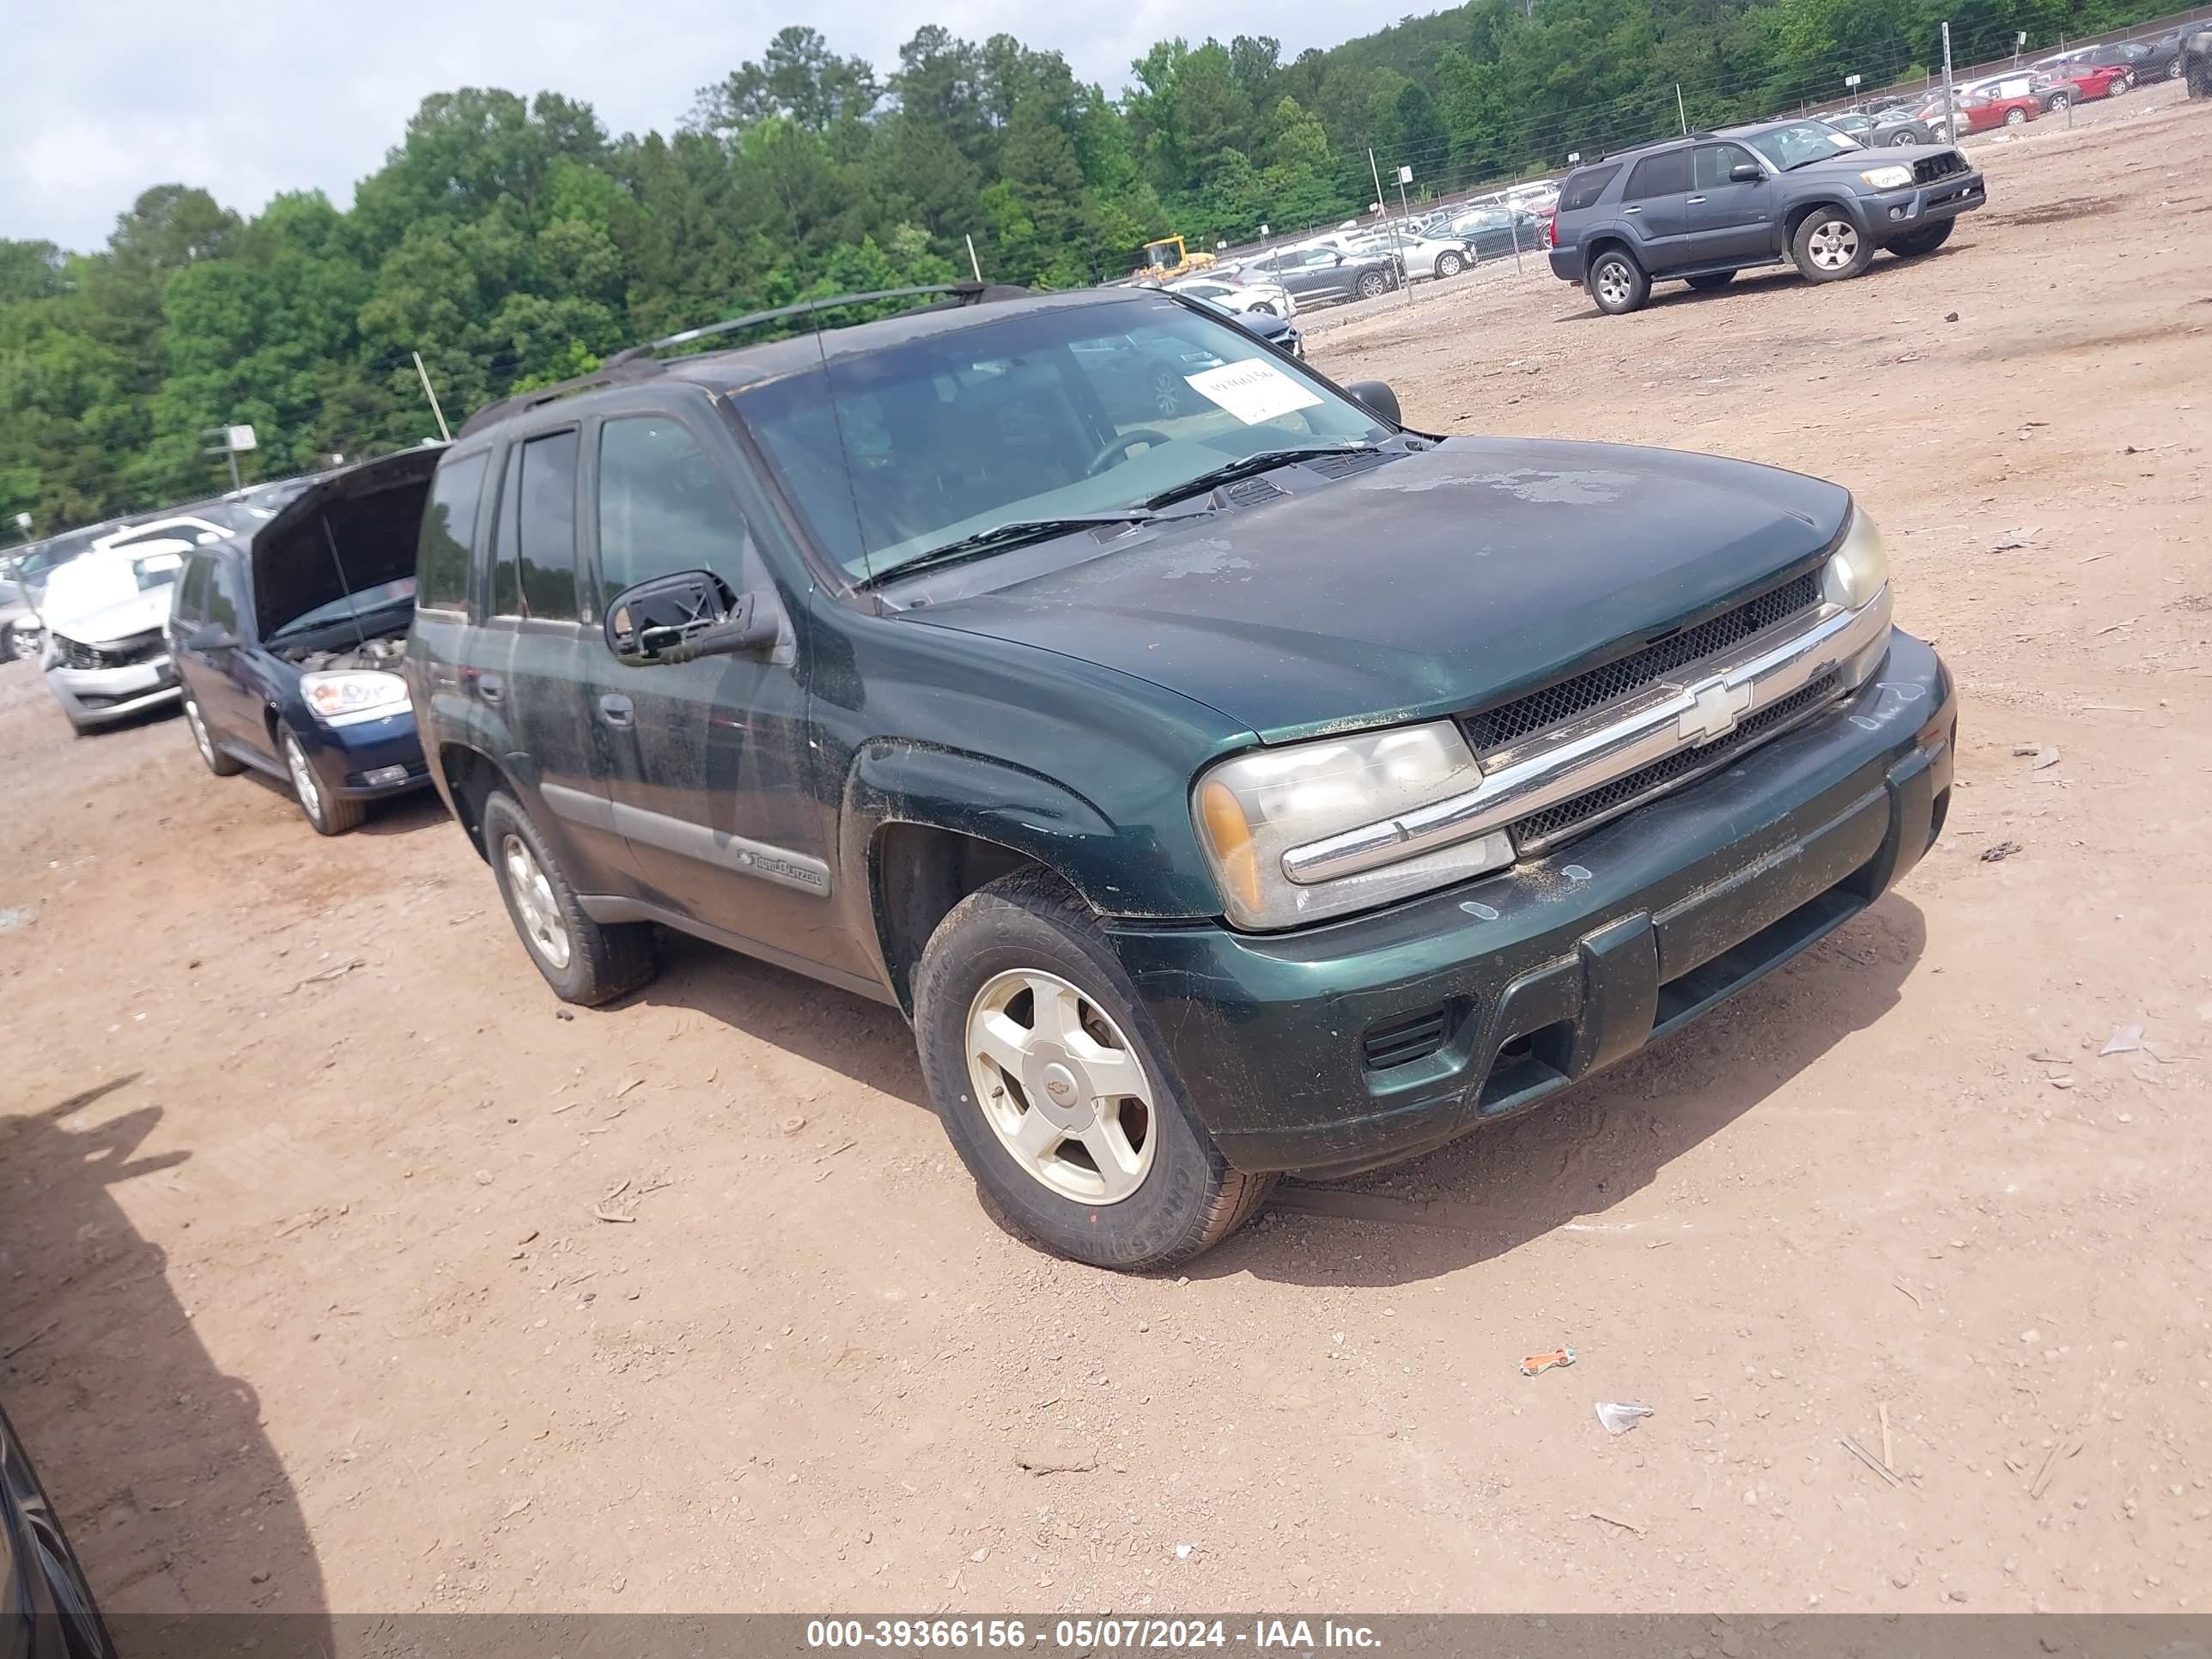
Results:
1714 710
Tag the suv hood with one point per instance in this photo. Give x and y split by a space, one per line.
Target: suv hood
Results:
1429 585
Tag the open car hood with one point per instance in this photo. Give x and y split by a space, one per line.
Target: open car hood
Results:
371 514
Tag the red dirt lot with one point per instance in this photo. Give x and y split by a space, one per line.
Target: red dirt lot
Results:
307 1299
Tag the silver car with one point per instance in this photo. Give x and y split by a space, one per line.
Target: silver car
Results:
105 656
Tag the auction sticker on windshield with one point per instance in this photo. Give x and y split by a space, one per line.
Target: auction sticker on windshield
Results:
1253 391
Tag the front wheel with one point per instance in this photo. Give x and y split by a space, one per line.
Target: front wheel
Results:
1265 309
1056 1092
1925 241
1374 285
2057 105
331 815
1449 265
1903 139
1828 247
1617 284
2173 70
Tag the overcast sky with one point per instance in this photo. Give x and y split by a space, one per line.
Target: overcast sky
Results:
251 97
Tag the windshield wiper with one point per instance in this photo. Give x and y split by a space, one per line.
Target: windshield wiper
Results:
1265 461
1014 532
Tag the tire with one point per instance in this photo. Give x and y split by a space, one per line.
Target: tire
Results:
1617 283
989 961
1265 309
222 764
329 815
2058 105
1904 138
1449 265
2015 118
1923 241
594 963
2173 70
1374 285
1828 247
1712 280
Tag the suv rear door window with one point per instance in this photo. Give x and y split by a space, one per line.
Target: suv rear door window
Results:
662 507
547 523
1659 175
1585 187
441 558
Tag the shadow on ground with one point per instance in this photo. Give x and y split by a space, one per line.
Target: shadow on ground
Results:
1574 1155
171 1491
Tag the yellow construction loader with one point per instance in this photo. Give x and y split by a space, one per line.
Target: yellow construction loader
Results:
1166 259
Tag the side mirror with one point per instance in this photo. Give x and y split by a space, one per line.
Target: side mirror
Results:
675 619
211 638
1377 398
1744 172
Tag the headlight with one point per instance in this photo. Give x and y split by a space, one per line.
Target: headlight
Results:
1892 178
1253 809
351 696
1859 567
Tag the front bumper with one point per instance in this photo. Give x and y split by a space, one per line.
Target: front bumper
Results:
347 757
1894 212
1544 974
93 696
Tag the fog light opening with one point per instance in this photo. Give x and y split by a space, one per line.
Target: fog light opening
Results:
385 774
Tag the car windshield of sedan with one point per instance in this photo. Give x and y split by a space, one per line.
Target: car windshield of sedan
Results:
1800 142
894 454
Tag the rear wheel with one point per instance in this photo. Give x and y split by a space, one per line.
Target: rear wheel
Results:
1707 283
1828 247
1903 138
2173 70
1617 284
2015 118
2059 104
217 761
1925 241
584 961
1056 1092
331 815
1265 309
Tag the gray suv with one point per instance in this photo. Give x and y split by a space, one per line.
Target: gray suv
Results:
1704 207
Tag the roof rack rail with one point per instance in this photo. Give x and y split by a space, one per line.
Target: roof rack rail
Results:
638 363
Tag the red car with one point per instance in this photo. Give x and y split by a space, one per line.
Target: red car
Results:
1983 113
2091 79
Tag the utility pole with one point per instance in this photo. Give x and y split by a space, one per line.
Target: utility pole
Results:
974 264
444 431
1680 113
233 439
1950 118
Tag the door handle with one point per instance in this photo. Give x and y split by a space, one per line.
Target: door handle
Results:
616 709
491 688
1631 210
1694 200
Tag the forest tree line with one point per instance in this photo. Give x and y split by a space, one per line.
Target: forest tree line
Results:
514 241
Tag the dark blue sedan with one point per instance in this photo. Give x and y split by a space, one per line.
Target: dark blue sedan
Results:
287 640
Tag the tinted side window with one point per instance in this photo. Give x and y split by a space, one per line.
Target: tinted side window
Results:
441 556
662 509
192 592
1714 161
223 608
1585 187
1659 175
549 526
505 585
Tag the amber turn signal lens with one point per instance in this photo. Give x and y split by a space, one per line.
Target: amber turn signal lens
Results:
1230 839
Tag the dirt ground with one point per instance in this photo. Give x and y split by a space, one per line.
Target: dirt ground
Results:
304 1303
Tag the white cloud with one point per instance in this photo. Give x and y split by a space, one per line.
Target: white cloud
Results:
251 97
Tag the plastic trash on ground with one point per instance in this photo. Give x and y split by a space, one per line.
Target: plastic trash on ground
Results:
1619 1416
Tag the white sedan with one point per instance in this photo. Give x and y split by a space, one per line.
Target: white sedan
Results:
1270 299
1424 256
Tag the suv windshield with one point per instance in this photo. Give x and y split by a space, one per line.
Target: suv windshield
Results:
1800 142
1033 416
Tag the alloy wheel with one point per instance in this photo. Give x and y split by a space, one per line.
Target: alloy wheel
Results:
1613 285
1061 1087
200 732
303 778
1834 244
538 910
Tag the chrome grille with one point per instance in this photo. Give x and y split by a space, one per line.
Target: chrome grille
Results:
1609 800
1500 727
